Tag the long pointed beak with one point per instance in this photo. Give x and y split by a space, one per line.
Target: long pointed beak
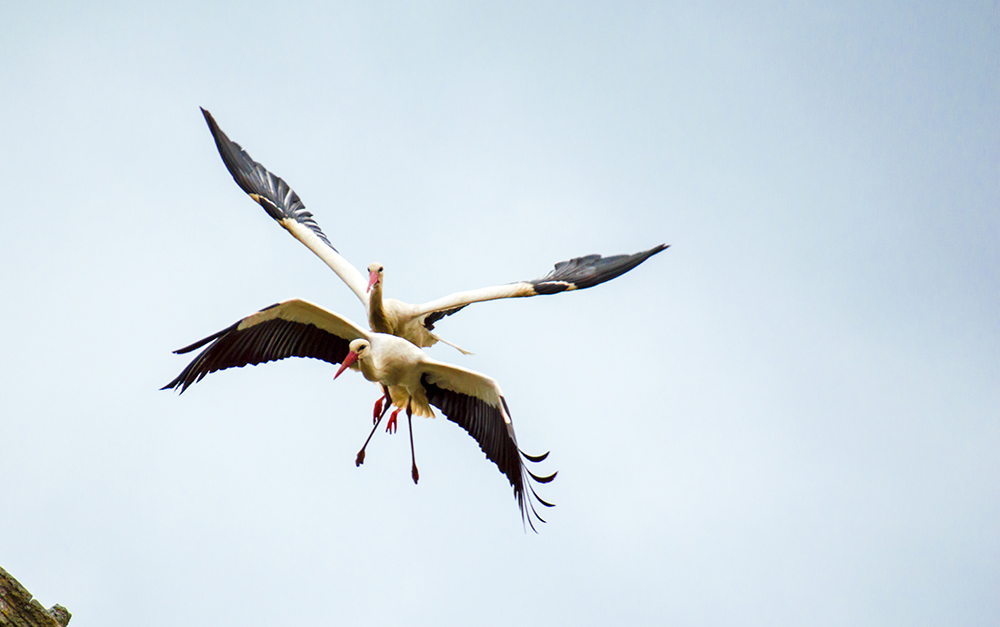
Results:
350 359
372 280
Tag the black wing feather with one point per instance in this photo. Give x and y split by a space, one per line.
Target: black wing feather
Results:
486 424
590 270
576 274
269 340
434 316
269 190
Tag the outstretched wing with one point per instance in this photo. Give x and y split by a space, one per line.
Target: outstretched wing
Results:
475 403
283 204
575 274
294 328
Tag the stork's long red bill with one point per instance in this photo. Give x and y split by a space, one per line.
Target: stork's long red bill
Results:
350 359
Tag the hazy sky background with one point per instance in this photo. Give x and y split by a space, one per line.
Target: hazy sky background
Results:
790 417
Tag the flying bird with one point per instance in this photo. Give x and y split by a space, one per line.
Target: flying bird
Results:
388 315
410 380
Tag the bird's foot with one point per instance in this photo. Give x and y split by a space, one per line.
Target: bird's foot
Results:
361 458
416 475
392 426
378 410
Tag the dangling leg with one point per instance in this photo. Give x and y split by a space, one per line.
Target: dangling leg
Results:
390 427
361 454
413 456
378 414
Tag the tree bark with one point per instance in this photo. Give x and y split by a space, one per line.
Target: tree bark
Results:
18 609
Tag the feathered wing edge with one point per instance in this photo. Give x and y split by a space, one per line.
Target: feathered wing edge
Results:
282 203
576 274
590 270
293 328
494 432
269 190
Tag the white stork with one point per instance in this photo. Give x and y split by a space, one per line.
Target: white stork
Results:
412 322
409 378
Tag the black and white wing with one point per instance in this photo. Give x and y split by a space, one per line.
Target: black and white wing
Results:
575 274
475 403
284 205
294 328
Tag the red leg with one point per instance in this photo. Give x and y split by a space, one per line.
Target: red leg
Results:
391 427
413 456
361 454
378 405
378 418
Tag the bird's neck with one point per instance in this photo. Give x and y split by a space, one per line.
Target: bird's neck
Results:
377 318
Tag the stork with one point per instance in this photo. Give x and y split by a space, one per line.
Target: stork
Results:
409 379
412 322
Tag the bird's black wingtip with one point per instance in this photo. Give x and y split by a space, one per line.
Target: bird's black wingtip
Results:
646 254
542 479
221 140
527 496
534 458
582 272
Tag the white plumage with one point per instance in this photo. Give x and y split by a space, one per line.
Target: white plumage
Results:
412 380
387 315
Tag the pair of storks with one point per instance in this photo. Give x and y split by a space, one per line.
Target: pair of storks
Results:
390 354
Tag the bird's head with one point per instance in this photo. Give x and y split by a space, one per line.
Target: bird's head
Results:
358 350
374 275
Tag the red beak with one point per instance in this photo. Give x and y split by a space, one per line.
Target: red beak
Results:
350 359
372 280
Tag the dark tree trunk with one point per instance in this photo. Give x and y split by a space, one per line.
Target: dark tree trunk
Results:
18 609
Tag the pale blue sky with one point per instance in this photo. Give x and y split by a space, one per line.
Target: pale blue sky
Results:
792 416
